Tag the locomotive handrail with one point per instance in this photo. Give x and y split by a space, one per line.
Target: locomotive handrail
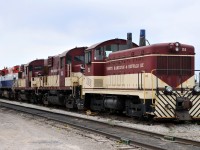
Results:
152 84
143 72
140 86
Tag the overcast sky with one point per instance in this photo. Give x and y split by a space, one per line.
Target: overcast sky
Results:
31 29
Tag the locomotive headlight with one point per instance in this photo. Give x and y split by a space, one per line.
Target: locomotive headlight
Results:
168 90
177 49
196 89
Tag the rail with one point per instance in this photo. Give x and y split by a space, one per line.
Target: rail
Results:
128 135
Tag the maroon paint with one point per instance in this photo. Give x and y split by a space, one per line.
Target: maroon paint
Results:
139 59
97 68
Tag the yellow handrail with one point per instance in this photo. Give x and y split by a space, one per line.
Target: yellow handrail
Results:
152 84
144 87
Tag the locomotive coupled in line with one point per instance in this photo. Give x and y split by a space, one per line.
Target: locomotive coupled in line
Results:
157 80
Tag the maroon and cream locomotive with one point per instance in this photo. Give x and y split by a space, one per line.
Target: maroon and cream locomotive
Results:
156 80
117 75
51 81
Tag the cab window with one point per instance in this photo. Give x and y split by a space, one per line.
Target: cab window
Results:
68 59
62 62
79 58
99 53
88 57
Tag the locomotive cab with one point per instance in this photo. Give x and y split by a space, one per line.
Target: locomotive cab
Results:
29 80
63 81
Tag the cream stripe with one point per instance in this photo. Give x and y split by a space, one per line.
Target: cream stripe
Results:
170 101
174 100
194 109
157 114
148 56
194 103
158 110
194 99
98 62
197 112
173 107
164 109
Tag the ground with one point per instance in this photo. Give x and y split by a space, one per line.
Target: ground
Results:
20 131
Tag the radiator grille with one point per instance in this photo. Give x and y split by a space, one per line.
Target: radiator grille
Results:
174 65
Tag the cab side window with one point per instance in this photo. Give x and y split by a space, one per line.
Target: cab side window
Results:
88 57
68 59
99 53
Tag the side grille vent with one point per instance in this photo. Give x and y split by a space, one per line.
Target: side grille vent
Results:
98 83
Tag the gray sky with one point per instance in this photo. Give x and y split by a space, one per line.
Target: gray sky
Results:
31 29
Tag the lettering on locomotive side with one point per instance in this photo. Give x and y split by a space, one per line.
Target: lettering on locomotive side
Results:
109 68
118 67
131 66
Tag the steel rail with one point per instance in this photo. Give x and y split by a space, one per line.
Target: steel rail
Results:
134 137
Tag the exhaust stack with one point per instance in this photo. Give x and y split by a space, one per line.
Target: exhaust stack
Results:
142 41
129 40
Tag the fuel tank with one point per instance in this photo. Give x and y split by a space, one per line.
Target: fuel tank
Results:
113 102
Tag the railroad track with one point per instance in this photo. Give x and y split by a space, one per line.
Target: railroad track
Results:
131 136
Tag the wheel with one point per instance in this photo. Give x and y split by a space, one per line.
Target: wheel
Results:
33 99
19 98
70 102
45 100
10 95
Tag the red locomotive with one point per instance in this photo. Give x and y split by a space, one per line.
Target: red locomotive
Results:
117 75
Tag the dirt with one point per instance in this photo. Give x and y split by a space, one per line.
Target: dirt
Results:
20 131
